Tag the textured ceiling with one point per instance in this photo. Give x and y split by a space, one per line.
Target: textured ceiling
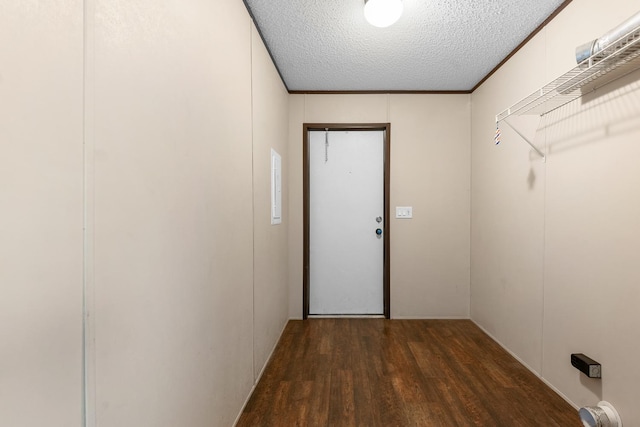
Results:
437 45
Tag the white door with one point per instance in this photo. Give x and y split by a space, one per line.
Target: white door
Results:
346 213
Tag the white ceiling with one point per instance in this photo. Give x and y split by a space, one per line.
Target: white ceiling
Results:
437 45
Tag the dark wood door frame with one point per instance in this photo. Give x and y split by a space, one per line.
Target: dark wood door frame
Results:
386 127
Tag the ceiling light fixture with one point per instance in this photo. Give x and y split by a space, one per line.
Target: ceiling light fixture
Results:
382 13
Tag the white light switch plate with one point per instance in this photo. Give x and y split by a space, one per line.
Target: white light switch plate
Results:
404 212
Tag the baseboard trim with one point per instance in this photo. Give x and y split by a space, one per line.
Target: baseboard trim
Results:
257 380
430 317
523 363
345 316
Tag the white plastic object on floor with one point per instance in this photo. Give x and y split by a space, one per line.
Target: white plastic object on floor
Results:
603 415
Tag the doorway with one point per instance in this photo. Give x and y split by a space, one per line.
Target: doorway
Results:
346 212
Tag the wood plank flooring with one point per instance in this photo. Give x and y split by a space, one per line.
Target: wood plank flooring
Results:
377 372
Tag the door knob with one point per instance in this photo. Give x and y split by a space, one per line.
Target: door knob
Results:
379 231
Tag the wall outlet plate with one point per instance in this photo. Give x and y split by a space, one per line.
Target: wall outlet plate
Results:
404 212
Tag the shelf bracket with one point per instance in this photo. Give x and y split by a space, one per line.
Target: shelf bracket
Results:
536 149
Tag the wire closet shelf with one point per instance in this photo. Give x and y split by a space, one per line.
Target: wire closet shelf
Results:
587 76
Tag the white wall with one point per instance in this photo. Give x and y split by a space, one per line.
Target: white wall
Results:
173 212
429 171
430 157
271 256
41 209
554 245
177 105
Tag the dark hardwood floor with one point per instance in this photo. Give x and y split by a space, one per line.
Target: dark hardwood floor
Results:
376 372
